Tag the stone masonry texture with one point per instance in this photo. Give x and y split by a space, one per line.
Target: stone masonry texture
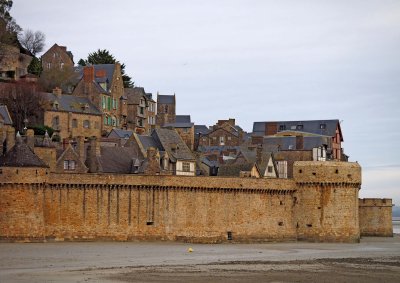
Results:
36 205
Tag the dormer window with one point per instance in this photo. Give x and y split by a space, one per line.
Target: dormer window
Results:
56 105
322 126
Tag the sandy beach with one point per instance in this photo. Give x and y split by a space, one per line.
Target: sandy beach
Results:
372 260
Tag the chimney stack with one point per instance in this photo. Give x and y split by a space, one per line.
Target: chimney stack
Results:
259 154
10 138
80 148
92 152
88 74
30 138
153 159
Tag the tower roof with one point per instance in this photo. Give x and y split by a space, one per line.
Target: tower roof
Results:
21 155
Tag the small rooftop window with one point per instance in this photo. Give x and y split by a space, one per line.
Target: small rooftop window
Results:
322 126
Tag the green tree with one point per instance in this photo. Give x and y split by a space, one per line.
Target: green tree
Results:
9 29
35 67
81 62
105 57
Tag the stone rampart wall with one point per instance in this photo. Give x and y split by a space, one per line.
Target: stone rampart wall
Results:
376 217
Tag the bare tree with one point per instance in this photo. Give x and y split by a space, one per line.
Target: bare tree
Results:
33 41
24 102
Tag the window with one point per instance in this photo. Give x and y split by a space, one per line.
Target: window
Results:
269 169
186 167
69 164
61 66
141 110
103 102
48 65
299 127
55 122
108 103
282 127
74 123
222 140
166 109
86 124
229 138
322 126
105 120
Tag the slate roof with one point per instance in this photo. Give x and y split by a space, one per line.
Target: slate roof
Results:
71 103
108 68
169 138
118 159
21 155
134 94
183 119
166 99
310 126
6 115
234 169
119 133
179 125
148 141
289 143
201 129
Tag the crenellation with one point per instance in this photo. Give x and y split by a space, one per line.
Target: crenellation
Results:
76 207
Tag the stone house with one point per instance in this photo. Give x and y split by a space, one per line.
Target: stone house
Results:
175 156
72 116
224 133
14 61
166 109
102 84
140 110
185 129
70 161
313 128
57 57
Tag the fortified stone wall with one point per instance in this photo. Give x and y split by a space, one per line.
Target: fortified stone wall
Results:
201 209
327 200
376 217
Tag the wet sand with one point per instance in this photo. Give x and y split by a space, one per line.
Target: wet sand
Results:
372 260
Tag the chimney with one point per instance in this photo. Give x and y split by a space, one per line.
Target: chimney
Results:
80 148
259 154
57 91
10 138
299 142
88 74
30 138
93 152
153 159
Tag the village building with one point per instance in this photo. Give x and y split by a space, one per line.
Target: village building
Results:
14 61
175 156
166 109
140 110
185 129
71 116
314 128
57 57
102 84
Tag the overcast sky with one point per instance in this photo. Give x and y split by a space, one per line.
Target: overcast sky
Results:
254 61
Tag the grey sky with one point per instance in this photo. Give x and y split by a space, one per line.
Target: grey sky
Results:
254 61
